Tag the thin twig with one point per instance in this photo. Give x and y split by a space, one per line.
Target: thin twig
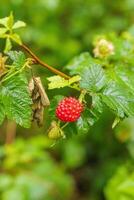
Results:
38 61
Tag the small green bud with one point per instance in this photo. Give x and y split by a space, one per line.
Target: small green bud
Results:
55 132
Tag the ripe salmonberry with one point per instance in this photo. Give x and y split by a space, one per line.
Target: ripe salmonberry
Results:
69 109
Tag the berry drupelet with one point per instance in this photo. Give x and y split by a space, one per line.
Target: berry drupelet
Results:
69 109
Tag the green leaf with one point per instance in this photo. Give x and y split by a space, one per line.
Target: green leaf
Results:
17 101
95 110
70 130
19 24
74 79
18 58
10 21
79 63
82 124
53 105
119 99
8 45
3 21
93 78
90 115
3 36
59 82
126 74
97 103
16 38
2 31
116 121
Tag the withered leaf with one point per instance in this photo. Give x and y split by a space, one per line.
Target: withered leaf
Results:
39 98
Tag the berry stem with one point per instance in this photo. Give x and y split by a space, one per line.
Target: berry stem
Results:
64 125
82 95
38 61
58 123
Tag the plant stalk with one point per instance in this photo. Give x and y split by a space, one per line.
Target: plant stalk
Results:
38 61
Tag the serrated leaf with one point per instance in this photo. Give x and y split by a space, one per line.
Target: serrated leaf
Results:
8 45
17 101
93 78
19 24
59 82
16 38
126 74
97 103
18 58
90 115
82 124
118 99
95 110
79 63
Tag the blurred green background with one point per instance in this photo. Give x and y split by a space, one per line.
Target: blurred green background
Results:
93 166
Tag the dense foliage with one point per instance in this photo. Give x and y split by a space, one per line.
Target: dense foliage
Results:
100 76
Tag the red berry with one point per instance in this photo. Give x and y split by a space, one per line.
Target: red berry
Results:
69 109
